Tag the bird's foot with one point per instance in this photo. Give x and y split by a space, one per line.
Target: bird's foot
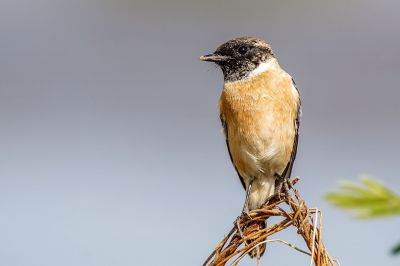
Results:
245 215
238 227
284 185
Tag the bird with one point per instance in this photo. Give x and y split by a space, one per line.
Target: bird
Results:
260 114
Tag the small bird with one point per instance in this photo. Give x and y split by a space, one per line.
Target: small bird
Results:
259 111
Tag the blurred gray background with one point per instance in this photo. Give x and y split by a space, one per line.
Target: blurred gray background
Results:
111 148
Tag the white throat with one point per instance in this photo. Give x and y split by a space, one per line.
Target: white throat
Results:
261 68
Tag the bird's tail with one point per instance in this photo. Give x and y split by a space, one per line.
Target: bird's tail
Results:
260 249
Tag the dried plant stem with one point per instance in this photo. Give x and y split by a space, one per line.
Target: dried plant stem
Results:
234 247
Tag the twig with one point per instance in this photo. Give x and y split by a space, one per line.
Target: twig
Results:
234 245
313 236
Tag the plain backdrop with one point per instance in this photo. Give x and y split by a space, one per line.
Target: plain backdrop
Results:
111 150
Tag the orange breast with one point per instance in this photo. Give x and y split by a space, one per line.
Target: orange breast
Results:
260 114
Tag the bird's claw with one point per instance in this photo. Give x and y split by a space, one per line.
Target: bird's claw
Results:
245 214
284 185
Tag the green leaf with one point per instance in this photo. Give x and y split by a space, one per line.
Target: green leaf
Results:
396 250
370 199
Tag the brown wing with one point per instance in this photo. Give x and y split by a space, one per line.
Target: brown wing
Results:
229 150
288 169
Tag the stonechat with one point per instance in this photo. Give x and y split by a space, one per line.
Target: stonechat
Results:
259 110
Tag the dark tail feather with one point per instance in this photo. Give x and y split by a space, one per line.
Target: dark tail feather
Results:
260 249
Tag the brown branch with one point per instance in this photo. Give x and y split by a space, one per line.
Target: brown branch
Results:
298 215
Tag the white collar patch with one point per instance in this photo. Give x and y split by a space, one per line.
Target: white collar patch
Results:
261 68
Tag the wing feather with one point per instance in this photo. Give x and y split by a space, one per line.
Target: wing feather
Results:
288 169
229 150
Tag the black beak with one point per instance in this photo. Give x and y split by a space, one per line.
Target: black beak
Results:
214 58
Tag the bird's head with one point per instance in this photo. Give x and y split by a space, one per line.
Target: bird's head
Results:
239 57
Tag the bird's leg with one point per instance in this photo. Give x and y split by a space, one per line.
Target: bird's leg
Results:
283 183
245 210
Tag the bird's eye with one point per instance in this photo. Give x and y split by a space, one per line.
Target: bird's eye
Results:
242 50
